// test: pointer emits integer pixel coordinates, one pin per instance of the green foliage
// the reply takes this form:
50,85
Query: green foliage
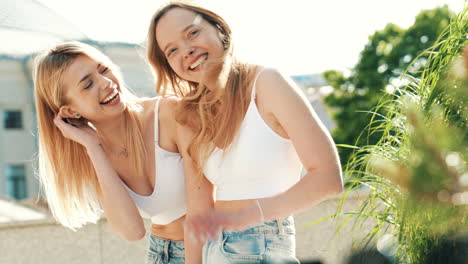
386,56
416,172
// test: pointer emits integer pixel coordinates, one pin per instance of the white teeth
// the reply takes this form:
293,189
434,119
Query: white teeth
198,62
108,98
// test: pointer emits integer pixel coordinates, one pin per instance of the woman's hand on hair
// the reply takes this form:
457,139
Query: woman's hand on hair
85,135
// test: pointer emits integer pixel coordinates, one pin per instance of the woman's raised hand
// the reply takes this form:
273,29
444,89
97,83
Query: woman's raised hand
85,135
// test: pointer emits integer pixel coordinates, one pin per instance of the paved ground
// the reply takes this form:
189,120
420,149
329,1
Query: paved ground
320,241
46,242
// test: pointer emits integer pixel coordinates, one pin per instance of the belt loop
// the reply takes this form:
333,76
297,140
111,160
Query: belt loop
166,250
219,237
279,222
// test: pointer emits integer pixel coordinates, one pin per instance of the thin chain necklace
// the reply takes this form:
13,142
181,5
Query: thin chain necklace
122,152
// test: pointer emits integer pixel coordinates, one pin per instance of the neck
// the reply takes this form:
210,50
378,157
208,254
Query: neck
217,80
112,133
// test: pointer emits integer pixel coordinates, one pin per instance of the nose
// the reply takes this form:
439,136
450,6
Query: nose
189,51
105,82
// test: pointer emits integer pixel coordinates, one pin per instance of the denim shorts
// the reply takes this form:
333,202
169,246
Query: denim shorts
165,251
270,242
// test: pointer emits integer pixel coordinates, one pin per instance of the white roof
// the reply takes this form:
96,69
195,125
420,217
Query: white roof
27,26
10,211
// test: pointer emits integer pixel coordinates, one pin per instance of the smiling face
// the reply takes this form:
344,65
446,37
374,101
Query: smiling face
190,44
91,90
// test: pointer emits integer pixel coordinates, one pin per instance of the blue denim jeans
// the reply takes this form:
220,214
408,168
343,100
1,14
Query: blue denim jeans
165,251
270,242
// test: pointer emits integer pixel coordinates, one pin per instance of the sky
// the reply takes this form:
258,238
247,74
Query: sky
295,36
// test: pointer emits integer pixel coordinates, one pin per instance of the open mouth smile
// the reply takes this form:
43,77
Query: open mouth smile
198,62
110,98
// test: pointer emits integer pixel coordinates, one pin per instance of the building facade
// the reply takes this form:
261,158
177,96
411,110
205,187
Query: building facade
17,129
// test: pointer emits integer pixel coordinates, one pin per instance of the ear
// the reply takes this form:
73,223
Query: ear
67,112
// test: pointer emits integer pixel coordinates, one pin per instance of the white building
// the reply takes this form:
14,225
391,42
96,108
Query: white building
17,143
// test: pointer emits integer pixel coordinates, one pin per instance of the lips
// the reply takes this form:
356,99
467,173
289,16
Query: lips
113,101
110,97
198,61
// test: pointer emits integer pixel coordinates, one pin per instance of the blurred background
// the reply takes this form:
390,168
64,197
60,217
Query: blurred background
349,57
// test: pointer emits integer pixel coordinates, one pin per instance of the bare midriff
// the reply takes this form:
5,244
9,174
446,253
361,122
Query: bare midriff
173,231
234,206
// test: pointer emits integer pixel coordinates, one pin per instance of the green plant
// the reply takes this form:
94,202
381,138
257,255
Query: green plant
386,55
416,173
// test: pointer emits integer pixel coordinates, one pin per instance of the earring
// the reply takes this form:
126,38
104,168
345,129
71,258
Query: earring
78,115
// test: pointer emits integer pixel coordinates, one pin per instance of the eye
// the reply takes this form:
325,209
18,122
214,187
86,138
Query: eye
88,85
104,70
171,51
194,33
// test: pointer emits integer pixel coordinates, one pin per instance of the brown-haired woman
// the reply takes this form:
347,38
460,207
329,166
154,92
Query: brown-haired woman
246,132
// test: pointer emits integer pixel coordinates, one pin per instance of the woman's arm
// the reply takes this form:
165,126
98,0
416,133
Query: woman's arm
119,208
312,142
200,202
284,100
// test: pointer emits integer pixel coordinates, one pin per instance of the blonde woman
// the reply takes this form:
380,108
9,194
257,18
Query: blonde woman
247,131
100,147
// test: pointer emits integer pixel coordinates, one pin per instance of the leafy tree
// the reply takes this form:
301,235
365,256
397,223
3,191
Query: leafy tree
382,62
416,172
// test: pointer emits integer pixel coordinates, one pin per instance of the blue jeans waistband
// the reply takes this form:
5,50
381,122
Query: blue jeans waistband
279,226
166,248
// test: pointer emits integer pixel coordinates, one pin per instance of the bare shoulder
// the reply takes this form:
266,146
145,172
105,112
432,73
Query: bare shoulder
168,107
275,87
147,104
167,114
271,81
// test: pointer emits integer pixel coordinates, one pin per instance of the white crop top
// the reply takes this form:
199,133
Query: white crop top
167,202
259,163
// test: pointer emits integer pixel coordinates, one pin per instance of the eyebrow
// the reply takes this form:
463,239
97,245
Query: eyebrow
88,75
184,30
84,78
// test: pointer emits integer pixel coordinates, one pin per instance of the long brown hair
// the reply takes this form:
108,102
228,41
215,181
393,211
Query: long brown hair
65,170
214,116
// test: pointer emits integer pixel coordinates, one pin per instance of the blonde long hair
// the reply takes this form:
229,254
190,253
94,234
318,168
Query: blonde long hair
214,116
65,169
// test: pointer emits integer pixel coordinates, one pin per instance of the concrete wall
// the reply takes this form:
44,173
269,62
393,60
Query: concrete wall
46,242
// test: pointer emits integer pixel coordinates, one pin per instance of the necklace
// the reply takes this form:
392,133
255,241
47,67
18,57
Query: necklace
122,152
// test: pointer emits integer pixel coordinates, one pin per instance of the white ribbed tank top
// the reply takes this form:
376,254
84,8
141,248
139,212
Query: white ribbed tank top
167,202
259,163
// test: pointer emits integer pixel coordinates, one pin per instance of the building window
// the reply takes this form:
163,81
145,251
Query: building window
13,119
16,181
